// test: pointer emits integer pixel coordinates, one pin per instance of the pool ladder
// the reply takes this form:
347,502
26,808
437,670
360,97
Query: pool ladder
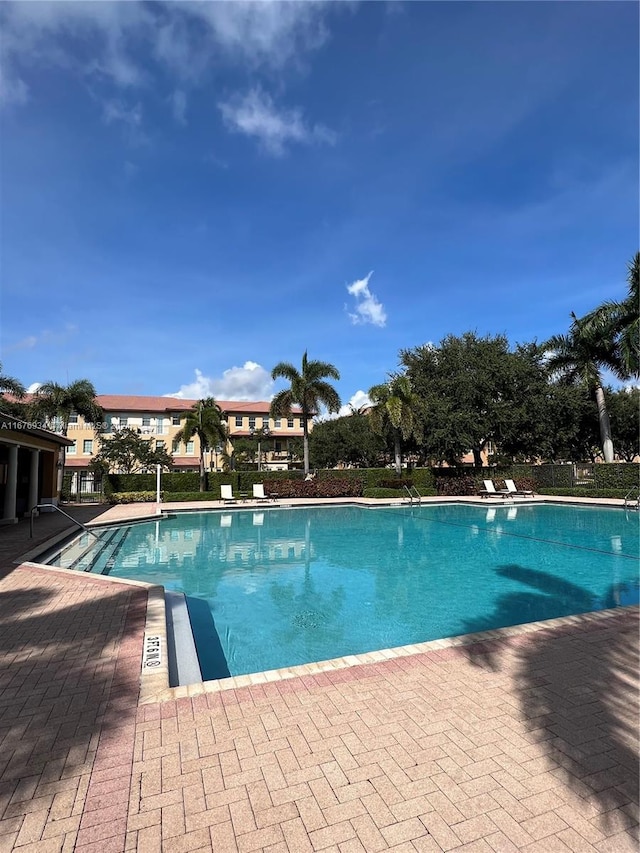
632,498
413,493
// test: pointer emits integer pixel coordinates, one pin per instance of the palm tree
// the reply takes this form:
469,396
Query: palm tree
308,389
10,385
393,405
578,357
204,419
57,402
620,322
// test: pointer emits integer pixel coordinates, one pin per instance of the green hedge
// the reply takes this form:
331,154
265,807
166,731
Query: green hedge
190,496
584,493
451,481
393,493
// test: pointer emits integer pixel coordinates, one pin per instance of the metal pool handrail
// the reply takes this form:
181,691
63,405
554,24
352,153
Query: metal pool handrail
66,514
413,493
632,497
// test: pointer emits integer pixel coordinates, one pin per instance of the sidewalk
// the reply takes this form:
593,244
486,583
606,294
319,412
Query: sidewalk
527,743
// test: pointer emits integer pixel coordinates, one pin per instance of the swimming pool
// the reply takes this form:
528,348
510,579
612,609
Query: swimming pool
276,587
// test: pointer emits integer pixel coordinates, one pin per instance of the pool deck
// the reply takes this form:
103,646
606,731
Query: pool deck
524,740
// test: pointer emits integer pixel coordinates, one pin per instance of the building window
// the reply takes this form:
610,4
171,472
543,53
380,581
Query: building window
252,422
87,445
175,446
290,423
238,420
146,420
71,451
124,421
159,445
175,420
73,418
277,423
189,448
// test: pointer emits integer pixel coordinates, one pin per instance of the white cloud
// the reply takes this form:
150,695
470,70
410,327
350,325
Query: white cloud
358,401
46,337
249,382
255,114
25,343
117,112
262,32
367,307
102,39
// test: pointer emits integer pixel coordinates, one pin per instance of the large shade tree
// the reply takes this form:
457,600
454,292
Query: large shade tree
205,420
394,405
465,393
307,389
127,452
624,408
349,441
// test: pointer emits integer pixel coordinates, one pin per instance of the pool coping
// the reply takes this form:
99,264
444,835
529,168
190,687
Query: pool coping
154,678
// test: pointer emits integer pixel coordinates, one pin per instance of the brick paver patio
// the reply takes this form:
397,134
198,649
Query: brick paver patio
529,742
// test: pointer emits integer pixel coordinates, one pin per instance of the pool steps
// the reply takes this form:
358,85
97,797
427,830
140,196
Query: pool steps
76,554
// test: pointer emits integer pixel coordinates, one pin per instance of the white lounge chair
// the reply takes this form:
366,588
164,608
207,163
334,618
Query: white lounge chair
512,489
226,494
258,493
490,490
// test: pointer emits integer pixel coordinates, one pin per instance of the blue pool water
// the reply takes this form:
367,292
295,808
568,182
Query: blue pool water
272,588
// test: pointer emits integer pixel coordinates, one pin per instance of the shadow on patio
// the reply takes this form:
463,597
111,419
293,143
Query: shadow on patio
70,656
577,690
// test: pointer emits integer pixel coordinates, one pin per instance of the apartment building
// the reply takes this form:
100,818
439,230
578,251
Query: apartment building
161,418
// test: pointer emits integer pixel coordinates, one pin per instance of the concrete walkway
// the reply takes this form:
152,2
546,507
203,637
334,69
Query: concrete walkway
529,742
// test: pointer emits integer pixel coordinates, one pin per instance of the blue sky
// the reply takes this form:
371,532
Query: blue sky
193,192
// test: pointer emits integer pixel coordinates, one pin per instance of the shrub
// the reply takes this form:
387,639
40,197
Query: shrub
395,484
132,497
460,485
325,488
526,483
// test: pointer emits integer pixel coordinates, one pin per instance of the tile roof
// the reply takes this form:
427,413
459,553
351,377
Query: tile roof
129,403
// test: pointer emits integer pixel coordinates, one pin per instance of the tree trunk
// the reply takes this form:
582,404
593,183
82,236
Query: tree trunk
477,457
397,452
305,442
605,427
203,476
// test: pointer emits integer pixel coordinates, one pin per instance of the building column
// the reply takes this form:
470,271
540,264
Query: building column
11,492
33,480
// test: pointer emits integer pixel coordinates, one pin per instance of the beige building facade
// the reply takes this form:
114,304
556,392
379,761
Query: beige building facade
160,418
